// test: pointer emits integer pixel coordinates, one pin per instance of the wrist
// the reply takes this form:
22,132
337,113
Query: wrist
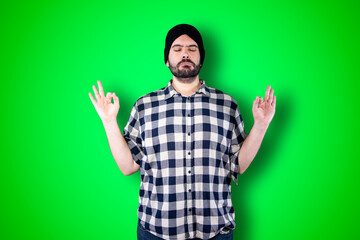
109,121
260,126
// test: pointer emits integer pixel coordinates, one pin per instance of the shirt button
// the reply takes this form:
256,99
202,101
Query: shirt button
188,114
189,171
189,209
189,153
189,133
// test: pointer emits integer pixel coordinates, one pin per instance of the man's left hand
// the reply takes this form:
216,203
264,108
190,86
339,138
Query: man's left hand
264,111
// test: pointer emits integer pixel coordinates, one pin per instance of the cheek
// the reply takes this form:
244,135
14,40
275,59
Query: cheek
196,57
174,56
172,61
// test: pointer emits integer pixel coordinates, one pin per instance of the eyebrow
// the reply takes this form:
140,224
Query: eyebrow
179,45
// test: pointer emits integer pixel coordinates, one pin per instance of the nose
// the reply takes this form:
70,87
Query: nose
185,55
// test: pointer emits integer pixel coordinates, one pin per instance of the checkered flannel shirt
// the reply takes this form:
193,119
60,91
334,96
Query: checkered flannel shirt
187,149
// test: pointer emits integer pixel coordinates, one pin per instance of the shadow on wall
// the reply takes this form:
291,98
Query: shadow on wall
271,143
261,164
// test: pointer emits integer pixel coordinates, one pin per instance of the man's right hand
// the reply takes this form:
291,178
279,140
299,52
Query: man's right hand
103,105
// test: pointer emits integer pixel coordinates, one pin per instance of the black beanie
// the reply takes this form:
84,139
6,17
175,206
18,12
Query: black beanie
179,30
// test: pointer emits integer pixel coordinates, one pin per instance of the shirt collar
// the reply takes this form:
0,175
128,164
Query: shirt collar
170,91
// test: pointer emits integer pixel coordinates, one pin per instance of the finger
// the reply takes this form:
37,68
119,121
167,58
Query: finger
271,96
111,97
274,101
267,93
108,98
256,102
101,90
116,100
92,99
97,96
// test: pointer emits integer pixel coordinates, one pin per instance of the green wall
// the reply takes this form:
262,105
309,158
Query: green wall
58,177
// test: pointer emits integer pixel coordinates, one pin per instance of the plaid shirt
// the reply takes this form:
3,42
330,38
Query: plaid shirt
187,149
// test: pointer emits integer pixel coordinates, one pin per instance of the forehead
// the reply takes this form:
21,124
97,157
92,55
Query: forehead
184,40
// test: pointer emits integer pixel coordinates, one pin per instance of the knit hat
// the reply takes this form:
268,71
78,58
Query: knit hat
179,30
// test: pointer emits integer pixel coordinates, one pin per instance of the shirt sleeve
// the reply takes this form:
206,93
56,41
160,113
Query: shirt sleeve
132,135
238,137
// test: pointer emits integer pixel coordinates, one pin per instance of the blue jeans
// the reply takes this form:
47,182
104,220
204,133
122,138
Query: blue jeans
142,234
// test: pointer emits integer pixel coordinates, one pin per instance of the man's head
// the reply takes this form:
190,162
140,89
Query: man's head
184,51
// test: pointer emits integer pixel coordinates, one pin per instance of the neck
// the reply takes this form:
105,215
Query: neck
186,87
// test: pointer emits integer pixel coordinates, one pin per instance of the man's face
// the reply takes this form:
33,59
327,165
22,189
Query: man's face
184,58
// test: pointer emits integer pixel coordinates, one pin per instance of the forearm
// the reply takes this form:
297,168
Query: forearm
119,148
251,146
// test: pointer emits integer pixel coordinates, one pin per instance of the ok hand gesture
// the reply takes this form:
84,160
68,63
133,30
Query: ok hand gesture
106,110
264,111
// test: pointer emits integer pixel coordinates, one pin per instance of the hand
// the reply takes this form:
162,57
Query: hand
264,111
106,110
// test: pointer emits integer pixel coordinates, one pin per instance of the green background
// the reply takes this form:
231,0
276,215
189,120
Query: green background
58,177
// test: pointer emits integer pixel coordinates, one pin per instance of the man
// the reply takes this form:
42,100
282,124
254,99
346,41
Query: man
188,141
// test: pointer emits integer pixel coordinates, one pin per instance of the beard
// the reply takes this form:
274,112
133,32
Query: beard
185,74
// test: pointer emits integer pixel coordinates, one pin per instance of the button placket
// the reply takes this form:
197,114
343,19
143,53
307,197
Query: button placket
188,164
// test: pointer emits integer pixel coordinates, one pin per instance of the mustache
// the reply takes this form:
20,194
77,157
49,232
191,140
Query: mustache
186,60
